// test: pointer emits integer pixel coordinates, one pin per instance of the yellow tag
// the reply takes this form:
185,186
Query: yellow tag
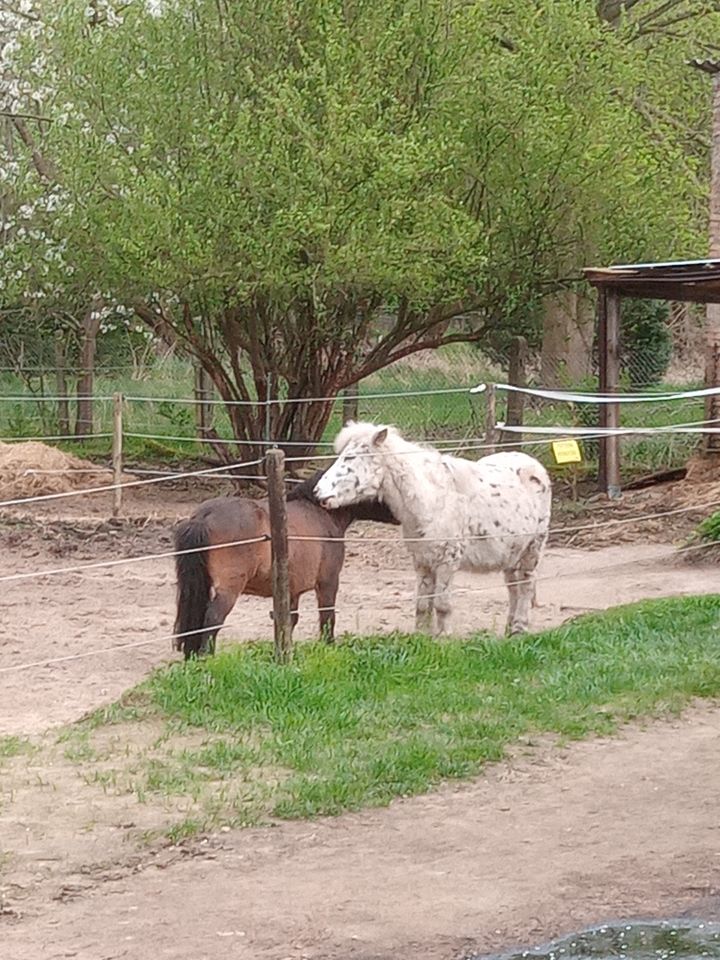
566,451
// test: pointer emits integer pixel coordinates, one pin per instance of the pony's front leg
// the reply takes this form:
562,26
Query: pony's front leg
326,594
443,608
522,586
424,600
294,610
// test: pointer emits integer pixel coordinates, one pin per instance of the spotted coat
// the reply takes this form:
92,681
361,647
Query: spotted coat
492,514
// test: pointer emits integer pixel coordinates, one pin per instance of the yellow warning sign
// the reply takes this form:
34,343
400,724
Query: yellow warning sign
566,451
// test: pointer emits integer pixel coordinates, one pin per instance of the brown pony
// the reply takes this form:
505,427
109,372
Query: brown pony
210,581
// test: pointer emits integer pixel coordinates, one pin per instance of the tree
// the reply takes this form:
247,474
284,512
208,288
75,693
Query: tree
662,35
263,183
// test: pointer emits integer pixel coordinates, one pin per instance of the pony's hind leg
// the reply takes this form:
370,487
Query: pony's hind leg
220,606
443,609
425,600
522,589
326,594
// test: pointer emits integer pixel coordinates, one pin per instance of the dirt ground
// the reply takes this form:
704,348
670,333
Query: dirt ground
535,848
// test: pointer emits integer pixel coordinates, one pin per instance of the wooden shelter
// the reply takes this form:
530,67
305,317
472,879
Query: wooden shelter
691,281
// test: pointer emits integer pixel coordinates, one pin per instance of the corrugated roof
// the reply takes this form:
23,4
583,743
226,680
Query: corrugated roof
696,281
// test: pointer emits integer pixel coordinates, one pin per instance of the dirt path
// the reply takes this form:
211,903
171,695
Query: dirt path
533,849
559,839
102,609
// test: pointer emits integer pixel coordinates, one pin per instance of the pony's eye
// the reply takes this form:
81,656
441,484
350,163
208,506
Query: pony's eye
350,456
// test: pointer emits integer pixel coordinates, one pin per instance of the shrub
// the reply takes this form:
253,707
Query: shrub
645,341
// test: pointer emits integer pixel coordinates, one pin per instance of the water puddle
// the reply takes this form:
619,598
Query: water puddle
660,940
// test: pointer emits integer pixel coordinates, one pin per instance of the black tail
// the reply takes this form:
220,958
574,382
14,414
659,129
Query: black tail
193,584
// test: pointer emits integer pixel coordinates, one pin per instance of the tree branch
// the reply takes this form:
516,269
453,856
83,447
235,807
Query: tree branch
44,168
12,114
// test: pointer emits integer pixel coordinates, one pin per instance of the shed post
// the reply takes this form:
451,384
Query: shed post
609,363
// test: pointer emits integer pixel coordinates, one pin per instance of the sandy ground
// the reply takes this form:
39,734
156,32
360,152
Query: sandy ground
535,848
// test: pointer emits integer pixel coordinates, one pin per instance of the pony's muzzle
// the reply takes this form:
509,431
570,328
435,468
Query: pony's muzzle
325,500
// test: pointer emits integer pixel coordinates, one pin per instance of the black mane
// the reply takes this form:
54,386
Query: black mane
366,510
306,489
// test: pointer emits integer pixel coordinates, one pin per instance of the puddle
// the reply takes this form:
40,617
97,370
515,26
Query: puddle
659,940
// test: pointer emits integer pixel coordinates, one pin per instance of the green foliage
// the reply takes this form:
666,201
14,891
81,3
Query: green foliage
708,530
271,181
13,746
645,341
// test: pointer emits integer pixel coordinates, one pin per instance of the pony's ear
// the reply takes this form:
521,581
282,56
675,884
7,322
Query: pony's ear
380,437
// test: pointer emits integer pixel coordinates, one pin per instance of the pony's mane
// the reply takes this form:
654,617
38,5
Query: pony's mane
364,510
394,443
306,489
361,430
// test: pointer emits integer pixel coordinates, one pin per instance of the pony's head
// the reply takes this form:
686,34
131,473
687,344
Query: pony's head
358,471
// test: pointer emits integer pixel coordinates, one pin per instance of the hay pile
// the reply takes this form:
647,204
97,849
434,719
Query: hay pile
32,469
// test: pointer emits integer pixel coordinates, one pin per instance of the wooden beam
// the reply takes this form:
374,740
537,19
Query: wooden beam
609,364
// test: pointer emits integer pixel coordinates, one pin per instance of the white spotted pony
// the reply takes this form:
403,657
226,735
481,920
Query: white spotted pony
493,514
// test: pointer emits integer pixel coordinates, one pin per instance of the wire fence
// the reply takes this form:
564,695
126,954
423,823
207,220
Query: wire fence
659,428
566,407
164,419
173,638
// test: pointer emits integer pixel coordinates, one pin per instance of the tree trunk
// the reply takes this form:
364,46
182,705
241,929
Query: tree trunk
568,325
89,329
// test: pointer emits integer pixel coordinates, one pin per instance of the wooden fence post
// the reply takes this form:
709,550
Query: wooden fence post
267,436
350,403
490,420
517,377
117,451
203,392
61,383
609,364
90,327
282,620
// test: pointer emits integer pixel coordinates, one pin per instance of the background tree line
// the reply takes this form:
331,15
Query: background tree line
297,194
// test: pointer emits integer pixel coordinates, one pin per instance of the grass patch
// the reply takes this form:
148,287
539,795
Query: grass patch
373,719
703,545
14,746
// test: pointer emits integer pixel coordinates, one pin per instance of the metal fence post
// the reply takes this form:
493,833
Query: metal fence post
268,422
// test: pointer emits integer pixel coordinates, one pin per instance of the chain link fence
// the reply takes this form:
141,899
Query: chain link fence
426,396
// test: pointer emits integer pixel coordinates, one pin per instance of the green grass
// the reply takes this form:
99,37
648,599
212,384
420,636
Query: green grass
373,719
708,530
13,746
